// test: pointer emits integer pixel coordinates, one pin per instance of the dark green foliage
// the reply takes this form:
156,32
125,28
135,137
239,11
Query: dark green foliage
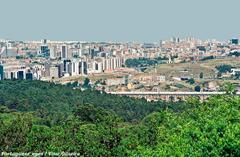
91,114
224,68
211,129
207,58
219,74
201,75
140,62
14,134
229,88
237,75
143,62
57,101
72,84
236,53
191,81
86,83
95,124
197,88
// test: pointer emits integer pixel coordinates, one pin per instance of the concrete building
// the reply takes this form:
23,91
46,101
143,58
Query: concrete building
53,52
21,75
66,67
83,67
54,72
64,52
29,76
44,49
75,67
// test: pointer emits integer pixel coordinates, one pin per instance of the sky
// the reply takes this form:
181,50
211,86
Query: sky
119,20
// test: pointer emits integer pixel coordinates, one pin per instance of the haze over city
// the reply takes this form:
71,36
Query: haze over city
123,21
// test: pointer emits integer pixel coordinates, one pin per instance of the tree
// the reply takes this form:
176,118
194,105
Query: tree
207,58
219,74
55,118
203,131
39,139
141,62
91,114
191,81
15,133
152,122
86,83
237,75
53,102
229,88
224,68
197,88
201,75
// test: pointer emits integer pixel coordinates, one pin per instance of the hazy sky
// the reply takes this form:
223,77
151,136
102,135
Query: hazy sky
118,20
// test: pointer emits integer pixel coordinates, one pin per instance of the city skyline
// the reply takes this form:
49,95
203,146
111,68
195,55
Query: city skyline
119,78
122,21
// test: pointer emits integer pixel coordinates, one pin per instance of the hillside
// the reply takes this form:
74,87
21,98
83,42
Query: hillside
44,117
50,98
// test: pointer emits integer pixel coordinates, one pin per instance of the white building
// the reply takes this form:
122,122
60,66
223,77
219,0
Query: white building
54,72
53,52
75,68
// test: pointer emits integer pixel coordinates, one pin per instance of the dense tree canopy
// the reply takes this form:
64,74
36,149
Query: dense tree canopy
235,53
43,117
207,58
57,101
224,68
143,62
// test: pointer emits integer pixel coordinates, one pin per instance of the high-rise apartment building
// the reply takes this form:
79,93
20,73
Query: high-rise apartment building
53,52
44,49
21,75
75,67
64,52
83,68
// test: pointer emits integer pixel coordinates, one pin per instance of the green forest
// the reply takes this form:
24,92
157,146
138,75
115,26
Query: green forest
39,117
144,62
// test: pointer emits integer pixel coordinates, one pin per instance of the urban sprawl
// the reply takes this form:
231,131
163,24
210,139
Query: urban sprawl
171,65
